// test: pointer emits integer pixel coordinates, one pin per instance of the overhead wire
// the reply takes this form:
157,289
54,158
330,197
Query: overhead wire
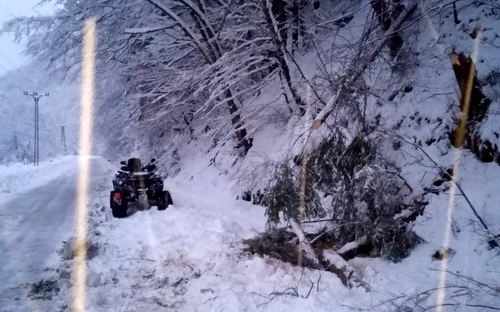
16,68
18,82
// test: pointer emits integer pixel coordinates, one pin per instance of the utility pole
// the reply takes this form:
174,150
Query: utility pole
36,153
63,139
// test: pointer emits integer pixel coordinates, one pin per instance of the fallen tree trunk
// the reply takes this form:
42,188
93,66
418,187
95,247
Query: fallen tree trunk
284,245
351,250
304,245
334,263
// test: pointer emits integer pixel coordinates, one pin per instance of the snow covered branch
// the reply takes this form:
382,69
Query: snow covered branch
355,70
147,30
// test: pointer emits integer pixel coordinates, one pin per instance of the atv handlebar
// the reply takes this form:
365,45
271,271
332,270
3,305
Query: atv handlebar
149,168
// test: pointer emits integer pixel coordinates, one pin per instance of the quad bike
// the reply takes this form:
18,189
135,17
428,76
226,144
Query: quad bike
135,184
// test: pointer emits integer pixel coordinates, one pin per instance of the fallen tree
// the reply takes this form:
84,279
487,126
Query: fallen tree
283,245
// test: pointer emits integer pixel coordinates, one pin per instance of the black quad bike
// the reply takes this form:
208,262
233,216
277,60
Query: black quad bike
135,184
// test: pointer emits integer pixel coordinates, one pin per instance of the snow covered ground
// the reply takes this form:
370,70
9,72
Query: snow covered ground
36,216
188,258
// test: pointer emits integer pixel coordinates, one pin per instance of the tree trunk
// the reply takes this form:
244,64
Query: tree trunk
280,53
455,14
209,46
279,13
386,19
334,263
296,24
205,37
381,9
474,106
288,80
241,133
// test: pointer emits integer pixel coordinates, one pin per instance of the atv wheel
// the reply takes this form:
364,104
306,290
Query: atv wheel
165,200
119,209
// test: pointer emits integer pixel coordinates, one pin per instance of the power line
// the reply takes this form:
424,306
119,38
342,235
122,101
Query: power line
14,67
13,76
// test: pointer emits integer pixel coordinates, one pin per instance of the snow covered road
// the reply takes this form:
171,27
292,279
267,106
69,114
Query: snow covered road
34,223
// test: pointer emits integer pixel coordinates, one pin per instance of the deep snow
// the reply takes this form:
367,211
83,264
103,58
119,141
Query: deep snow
188,258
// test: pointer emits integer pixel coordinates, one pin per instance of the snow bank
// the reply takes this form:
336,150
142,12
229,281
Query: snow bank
17,178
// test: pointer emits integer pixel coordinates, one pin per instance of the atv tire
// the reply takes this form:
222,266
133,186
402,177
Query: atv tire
165,200
118,210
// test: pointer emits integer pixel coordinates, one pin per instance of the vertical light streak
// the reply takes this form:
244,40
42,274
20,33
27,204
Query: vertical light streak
88,70
459,141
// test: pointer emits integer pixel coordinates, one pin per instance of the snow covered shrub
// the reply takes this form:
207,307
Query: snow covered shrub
393,239
366,192
366,195
284,197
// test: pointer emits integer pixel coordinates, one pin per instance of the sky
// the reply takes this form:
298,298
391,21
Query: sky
11,54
